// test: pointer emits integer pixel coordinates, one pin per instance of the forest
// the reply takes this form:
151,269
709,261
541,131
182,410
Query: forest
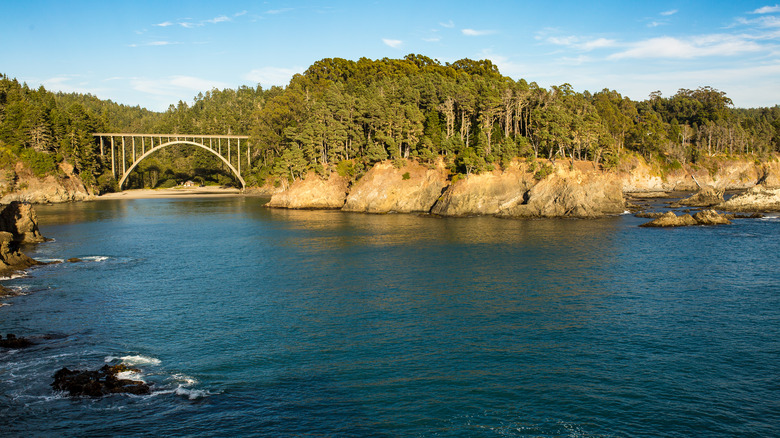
342,115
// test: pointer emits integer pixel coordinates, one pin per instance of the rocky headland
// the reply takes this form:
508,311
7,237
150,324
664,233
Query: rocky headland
576,189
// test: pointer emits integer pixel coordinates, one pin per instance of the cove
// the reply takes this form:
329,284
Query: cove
251,321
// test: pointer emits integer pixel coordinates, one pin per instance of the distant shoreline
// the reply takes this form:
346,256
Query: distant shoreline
189,192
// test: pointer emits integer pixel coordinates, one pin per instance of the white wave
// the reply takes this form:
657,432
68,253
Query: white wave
13,276
95,258
45,260
131,375
192,394
134,360
626,212
184,379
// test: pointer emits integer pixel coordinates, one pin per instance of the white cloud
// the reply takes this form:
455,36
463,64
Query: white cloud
278,11
577,43
474,32
432,40
269,76
448,25
669,12
155,43
219,19
767,10
164,24
238,14
392,43
189,24
706,45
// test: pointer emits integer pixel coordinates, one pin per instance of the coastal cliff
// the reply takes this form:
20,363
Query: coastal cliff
526,189
387,188
21,184
18,224
312,192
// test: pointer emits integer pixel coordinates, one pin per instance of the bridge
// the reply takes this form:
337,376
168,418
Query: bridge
127,150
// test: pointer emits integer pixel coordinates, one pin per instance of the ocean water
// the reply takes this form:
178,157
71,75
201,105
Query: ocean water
250,321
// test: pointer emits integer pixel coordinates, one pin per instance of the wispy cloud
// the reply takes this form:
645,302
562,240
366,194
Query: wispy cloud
694,47
220,19
392,43
278,11
767,10
432,39
448,25
238,14
669,12
474,32
174,85
155,43
269,76
164,24
582,44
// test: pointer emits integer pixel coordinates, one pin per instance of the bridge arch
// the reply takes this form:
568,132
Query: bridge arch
170,143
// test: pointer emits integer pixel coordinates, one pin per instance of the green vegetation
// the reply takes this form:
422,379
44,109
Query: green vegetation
343,116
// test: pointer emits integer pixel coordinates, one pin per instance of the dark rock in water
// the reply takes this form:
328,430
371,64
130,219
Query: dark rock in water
705,217
75,260
743,216
98,383
649,214
11,341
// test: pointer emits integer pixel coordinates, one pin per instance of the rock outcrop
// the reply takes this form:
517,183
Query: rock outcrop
484,194
98,383
387,188
18,224
706,197
20,184
704,217
21,221
758,198
570,195
313,192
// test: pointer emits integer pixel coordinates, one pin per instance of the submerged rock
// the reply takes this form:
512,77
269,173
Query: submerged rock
99,382
11,341
705,217
706,197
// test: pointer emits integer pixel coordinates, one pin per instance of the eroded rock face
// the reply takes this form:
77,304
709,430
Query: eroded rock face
704,217
313,192
11,259
484,194
706,197
758,198
569,196
408,189
26,187
20,220
98,383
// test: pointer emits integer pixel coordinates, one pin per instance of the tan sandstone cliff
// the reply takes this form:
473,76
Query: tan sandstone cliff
20,184
386,188
312,192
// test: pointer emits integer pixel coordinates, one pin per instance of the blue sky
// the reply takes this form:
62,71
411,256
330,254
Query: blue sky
155,53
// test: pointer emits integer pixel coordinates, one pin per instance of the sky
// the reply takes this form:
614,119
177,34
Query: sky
157,53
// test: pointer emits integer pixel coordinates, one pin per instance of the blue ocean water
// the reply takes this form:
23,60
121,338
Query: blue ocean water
251,321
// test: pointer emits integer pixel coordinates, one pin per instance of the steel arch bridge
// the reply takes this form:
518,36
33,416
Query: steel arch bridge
128,150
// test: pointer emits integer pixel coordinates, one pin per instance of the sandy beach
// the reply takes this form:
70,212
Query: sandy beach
188,192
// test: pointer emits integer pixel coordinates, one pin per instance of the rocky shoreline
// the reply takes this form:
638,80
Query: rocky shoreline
534,189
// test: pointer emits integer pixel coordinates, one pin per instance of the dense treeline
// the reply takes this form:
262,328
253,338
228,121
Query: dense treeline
345,115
